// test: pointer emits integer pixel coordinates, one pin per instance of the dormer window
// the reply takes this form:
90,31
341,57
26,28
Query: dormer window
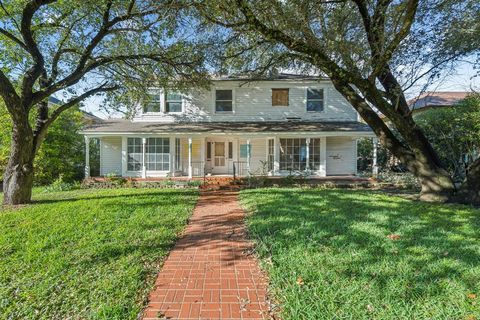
314,100
153,102
173,102
223,100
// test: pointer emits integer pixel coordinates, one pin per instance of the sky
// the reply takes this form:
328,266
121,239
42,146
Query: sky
463,79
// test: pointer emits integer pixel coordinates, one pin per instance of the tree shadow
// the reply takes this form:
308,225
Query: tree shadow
351,231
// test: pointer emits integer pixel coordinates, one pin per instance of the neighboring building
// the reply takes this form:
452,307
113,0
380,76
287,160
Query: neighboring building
279,126
436,99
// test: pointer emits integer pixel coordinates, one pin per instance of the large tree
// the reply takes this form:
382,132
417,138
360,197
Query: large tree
80,48
366,48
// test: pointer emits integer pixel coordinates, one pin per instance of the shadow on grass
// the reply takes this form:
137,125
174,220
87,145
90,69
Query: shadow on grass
435,242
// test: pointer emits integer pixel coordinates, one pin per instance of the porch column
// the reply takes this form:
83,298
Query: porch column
190,168
374,160
202,156
307,155
276,156
173,156
87,157
248,156
323,156
144,150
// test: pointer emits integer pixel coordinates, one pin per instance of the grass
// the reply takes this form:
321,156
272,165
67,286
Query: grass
87,254
344,254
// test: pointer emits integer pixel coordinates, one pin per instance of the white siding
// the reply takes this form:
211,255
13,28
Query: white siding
253,102
110,155
341,156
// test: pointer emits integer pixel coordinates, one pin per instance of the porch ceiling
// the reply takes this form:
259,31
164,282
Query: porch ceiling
126,126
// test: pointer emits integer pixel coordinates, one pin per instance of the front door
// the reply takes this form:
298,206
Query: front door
219,163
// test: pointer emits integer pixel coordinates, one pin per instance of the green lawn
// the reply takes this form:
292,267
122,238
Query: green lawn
344,254
87,254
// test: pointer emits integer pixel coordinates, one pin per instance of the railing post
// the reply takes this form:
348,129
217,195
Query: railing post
234,171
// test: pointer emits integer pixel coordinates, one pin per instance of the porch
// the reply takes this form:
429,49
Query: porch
159,156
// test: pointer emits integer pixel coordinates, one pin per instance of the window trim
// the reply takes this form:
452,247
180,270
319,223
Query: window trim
280,105
169,153
324,99
215,100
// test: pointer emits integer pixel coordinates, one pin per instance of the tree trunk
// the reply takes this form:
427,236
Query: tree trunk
18,177
469,191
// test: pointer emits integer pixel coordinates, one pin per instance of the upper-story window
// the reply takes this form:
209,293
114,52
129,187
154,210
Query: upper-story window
280,97
173,102
223,100
315,100
153,102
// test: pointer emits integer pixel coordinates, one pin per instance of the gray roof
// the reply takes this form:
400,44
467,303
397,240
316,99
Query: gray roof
268,77
127,126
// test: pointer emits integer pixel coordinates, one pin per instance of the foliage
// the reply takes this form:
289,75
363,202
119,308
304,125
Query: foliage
62,153
372,51
455,133
365,155
337,254
87,254
60,185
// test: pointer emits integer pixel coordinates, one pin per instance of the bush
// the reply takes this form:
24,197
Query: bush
60,185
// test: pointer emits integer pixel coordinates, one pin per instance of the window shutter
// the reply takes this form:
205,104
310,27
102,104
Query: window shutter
280,97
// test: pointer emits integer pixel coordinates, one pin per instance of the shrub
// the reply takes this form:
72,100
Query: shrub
60,185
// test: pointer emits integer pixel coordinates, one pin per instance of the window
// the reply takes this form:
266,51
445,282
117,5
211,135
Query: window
314,156
270,154
223,101
280,97
134,151
173,102
152,103
178,150
230,150
314,100
244,150
209,150
293,154
158,154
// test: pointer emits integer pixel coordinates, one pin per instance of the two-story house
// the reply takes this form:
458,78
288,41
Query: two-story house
277,126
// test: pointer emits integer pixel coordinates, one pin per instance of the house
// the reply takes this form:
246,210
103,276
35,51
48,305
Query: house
436,99
279,125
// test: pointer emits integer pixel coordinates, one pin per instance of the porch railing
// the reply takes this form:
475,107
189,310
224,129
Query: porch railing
239,169
198,168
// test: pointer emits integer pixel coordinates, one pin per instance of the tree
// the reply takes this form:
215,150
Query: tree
361,46
455,133
62,152
80,48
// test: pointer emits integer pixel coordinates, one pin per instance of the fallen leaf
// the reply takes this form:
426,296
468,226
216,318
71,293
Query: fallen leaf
470,317
300,281
370,308
393,236
472,296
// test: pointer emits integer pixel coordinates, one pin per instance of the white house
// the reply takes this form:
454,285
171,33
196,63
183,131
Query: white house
277,126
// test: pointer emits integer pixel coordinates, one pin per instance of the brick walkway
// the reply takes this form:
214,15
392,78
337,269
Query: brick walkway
209,273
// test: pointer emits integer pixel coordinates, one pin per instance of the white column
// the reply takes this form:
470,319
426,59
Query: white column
87,157
248,156
374,160
323,157
307,156
190,168
276,156
202,156
124,156
144,166
173,154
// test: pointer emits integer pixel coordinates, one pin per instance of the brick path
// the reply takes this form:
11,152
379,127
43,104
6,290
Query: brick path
209,274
